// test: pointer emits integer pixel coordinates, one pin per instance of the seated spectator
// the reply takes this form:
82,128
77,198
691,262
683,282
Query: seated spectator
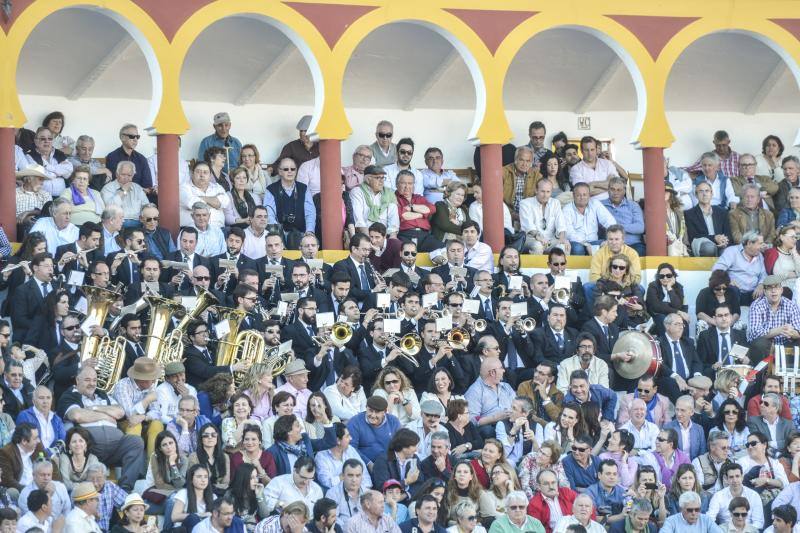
372,430
298,485
43,480
477,255
492,501
435,178
583,217
202,189
722,193
464,435
489,398
768,162
791,172
30,197
354,174
385,252
745,266
83,516
617,281
720,292
17,391
242,201
193,502
665,296
519,181
253,452
210,239
692,436
667,457
290,204
136,393
637,519
186,424
57,228
450,214
627,213
217,161
708,228
129,137
769,422
644,431
374,202
466,519
586,360
392,384
88,204
618,448
783,260
659,408
232,426
40,513
784,519
582,513
221,138
676,224
401,457
565,429
343,497
170,391
247,495
372,516
581,391
749,215
54,161
439,464
615,244
541,219
542,391
581,466
209,454
729,159
594,169
607,494
82,156
747,176
550,497
773,318
166,470
257,177
291,442
552,170
405,151
125,193
476,212
40,414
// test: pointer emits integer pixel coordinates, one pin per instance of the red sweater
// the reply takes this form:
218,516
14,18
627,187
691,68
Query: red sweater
539,509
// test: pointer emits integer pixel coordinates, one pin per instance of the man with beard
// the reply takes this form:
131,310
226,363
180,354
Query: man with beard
585,360
508,266
126,263
554,340
433,356
542,391
405,151
225,278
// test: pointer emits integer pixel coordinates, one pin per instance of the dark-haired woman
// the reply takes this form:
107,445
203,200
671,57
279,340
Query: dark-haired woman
291,443
166,471
400,462
210,454
730,419
193,502
73,463
253,453
33,244
247,494
45,330
718,292
665,296
619,447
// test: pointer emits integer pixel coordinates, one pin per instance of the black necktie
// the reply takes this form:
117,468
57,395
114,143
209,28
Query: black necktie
138,349
680,368
207,354
310,331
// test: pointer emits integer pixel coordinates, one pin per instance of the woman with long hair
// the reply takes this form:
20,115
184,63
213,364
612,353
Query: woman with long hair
761,472
463,485
436,488
783,259
247,493
567,428
391,383
193,502
618,449
720,291
548,456
665,296
400,462
617,280
257,177
550,167
209,454
790,458
214,396
685,480
72,464
45,330
464,435
676,225
253,453
730,419
319,415
646,487
492,453
259,385
166,470
87,204
440,388
597,429
242,203
450,213
241,411
492,501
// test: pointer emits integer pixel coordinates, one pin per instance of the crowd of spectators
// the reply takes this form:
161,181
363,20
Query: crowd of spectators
466,397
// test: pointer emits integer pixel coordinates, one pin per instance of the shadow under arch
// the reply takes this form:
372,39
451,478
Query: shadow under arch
142,29
767,33
471,49
300,32
619,39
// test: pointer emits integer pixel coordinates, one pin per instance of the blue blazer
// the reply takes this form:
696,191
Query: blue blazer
697,438
311,446
30,417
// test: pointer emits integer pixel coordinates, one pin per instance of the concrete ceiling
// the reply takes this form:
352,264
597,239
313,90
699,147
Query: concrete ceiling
241,60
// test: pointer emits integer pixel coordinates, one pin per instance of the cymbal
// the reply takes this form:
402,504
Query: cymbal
643,347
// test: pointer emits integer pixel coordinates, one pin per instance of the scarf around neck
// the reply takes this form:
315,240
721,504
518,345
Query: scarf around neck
387,197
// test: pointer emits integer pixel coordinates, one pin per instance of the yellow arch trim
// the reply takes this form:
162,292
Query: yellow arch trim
124,11
490,125
637,60
284,19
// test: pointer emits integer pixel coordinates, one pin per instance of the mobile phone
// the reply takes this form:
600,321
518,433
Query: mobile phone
650,486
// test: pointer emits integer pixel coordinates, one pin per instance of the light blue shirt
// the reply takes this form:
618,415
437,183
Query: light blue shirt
234,149
60,501
109,242
431,180
210,242
676,523
629,215
584,227
329,468
485,401
747,275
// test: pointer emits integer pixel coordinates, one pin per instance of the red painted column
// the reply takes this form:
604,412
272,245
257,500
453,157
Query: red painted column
330,167
492,189
168,148
655,209
8,184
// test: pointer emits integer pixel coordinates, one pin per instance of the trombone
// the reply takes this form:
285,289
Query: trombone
340,335
410,344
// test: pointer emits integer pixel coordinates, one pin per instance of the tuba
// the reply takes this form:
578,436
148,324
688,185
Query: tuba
161,311
249,349
100,301
226,349
110,360
172,346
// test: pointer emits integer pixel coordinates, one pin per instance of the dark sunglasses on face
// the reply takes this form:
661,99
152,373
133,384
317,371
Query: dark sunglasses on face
729,412
738,515
765,403
131,136
411,254
405,152
71,328
692,509
558,264
665,276
202,278
752,443
721,288
661,439
643,391
288,169
385,135
151,219
619,267
579,449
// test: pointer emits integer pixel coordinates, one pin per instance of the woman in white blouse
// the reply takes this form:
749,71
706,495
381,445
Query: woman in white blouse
201,189
257,177
393,385
768,162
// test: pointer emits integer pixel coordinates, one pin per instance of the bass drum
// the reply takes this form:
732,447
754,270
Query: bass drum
646,354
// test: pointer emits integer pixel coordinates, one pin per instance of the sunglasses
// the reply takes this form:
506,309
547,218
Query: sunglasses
752,443
209,435
738,515
729,412
385,135
665,276
692,509
131,136
765,404
661,439
643,391
471,518
288,169
405,152
558,264
721,288
410,254
151,219
202,278
391,382
516,507
71,328
619,267
577,449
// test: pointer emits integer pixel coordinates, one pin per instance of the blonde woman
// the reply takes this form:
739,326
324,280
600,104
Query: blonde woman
393,385
504,481
257,177
258,385
727,386
450,213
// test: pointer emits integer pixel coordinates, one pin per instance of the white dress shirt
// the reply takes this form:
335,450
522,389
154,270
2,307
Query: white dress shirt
583,227
391,178
479,257
58,172
191,194
309,174
55,237
644,438
210,242
80,522
598,372
345,407
476,214
283,489
717,193
255,246
27,466
603,169
389,217
718,507
532,213
46,433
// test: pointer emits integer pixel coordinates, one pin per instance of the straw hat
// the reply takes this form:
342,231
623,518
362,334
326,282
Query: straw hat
144,368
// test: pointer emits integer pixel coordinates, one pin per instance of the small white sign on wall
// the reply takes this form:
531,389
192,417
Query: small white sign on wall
584,123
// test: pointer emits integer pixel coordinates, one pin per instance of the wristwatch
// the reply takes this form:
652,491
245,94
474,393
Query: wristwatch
405,402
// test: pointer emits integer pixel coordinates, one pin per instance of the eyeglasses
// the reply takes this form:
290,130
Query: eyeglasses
201,332
151,219
429,415
131,136
203,278
5,335
578,449
471,518
721,288
586,346
661,439
410,254
738,515
643,391
619,267
516,507
765,403
405,152
729,412
367,156
752,443
455,305
665,276
692,509
385,135
559,264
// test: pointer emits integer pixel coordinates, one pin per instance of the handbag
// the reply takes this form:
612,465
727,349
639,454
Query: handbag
767,494
153,496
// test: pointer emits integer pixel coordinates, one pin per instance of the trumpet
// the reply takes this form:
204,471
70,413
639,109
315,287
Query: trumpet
430,314
525,324
409,346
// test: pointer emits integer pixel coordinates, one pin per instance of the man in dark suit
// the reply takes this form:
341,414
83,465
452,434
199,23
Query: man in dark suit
715,343
29,298
200,279
408,264
399,284
274,270
554,341
363,278
187,241
233,242
485,295
309,248
455,259
125,265
245,298
303,329
540,299
302,283
159,240
65,359
576,306
131,331
602,326
508,265
17,391
385,252
334,298
150,269
770,407
25,438
327,364
82,253
199,361
435,355
679,361
516,350
375,353
703,242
